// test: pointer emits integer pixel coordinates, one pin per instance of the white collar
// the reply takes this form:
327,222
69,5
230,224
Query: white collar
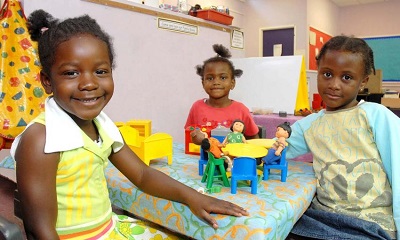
62,133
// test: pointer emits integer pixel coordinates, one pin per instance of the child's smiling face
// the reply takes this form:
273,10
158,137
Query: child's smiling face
341,74
81,77
218,80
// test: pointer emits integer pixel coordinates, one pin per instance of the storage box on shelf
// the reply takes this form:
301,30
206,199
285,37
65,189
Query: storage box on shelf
391,102
213,15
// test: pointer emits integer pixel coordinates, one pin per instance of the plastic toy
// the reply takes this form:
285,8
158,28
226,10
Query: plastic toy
202,161
283,132
143,126
210,173
245,169
236,136
190,146
147,148
282,165
276,157
215,189
213,146
220,132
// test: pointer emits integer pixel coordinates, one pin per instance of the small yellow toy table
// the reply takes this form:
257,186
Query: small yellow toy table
264,142
245,150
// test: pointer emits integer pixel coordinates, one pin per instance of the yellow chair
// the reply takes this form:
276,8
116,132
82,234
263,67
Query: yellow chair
143,126
155,146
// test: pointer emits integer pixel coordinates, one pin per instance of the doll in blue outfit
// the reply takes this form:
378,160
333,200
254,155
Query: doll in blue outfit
356,153
283,132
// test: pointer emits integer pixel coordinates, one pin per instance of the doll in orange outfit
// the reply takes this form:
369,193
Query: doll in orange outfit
212,145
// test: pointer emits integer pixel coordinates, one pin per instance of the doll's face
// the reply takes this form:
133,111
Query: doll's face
280,132
238,127
197,136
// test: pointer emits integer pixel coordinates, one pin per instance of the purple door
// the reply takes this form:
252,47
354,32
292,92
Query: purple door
283,36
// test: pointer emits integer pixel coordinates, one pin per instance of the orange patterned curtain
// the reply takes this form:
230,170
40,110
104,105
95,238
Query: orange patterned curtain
21,94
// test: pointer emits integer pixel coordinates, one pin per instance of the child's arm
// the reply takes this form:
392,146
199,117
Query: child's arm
158,184
36,179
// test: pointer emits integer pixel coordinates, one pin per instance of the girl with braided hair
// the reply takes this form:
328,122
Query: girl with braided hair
61,155
355,147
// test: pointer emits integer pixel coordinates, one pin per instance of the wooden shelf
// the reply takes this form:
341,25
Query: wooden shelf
140,8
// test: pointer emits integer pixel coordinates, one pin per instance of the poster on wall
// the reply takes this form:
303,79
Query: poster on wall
237,39
316,40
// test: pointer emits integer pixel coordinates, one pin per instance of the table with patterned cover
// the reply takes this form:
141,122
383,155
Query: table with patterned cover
273,210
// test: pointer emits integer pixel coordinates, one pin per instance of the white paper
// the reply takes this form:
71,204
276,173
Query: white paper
313,38
277,50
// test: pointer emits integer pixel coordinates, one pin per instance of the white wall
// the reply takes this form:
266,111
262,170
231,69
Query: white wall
323,16
369,20
262,14
155,76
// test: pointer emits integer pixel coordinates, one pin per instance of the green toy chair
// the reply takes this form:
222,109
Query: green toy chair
210,172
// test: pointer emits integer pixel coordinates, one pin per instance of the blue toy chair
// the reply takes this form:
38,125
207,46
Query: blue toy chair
202,161
244,168
215,170
282,165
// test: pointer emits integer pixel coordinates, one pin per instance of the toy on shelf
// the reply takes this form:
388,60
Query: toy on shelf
147,146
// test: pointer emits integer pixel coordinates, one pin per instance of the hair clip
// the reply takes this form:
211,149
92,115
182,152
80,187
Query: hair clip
43,29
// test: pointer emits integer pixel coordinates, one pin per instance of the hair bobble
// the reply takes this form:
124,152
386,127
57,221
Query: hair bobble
43,29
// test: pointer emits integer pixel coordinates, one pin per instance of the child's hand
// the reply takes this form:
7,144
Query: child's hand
202,205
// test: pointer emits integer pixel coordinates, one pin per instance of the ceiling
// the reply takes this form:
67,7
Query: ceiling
345,3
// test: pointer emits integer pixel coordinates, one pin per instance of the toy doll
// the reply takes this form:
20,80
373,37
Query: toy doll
212,145
283,132
236,136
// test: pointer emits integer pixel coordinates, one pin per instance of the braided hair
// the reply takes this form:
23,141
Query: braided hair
353,45
223,55
50,33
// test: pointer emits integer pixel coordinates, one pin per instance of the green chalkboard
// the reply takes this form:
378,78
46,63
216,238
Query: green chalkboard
387,56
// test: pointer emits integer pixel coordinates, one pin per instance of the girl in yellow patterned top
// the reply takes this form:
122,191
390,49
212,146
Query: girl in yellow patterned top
61,156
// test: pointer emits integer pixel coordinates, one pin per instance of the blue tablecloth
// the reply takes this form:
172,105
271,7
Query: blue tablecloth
273,210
